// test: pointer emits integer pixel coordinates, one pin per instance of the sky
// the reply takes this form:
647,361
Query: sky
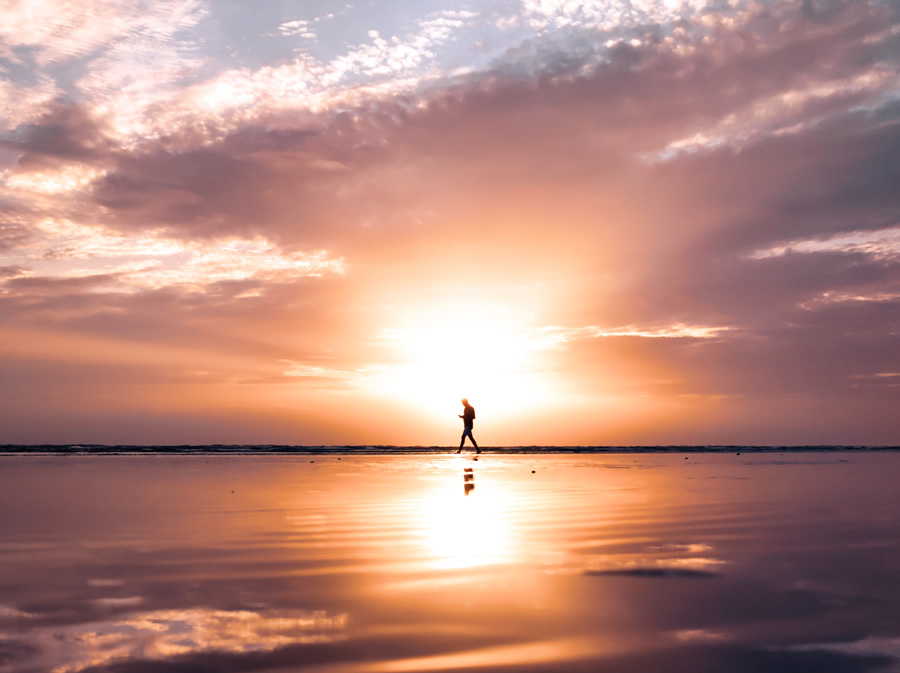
603,222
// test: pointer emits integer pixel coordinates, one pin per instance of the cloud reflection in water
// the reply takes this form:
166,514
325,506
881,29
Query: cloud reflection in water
165,634
562,563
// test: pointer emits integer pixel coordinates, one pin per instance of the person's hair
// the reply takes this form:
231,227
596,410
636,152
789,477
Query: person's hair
465,401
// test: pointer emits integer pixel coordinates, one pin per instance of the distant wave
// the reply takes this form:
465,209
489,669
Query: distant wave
370,450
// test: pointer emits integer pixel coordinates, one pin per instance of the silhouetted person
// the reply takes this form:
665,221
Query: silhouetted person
468,416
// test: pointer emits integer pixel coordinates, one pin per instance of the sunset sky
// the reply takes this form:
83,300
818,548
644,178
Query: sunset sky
602,222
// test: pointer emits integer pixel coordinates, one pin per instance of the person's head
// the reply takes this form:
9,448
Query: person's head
465,402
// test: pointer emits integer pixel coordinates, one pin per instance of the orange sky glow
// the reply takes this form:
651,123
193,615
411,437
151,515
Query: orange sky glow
601,222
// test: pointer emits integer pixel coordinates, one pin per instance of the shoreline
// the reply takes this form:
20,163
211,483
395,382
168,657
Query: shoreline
391,450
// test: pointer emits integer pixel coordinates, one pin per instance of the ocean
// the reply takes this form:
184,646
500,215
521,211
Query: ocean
375,450
387,559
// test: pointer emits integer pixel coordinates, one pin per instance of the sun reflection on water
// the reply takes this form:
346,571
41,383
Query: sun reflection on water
465,522
385,564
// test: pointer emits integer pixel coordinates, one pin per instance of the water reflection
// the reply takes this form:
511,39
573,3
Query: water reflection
468,480
466,529
625,563
165,635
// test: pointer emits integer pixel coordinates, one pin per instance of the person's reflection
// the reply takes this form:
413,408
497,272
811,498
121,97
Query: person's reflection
468,480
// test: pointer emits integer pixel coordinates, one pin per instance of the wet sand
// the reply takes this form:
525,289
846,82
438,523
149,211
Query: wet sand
613,563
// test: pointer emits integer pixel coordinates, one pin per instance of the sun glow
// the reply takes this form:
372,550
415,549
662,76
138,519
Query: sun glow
485,354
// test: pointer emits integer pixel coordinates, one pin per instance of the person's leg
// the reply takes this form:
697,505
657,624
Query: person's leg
462,440
474,443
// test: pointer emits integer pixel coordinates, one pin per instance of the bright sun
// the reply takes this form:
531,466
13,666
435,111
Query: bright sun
482,353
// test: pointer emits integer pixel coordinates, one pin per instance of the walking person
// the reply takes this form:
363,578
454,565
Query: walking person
468,416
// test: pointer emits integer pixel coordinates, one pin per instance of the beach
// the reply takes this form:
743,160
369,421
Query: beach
676,562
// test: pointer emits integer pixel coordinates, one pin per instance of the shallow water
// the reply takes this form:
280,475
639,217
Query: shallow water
641,562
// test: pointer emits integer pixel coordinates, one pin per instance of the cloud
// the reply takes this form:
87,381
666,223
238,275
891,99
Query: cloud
149,80
57,33
873,646
20,104
677,331
298,27
64,132
9,613
685,573
883,244
672,200
14,232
